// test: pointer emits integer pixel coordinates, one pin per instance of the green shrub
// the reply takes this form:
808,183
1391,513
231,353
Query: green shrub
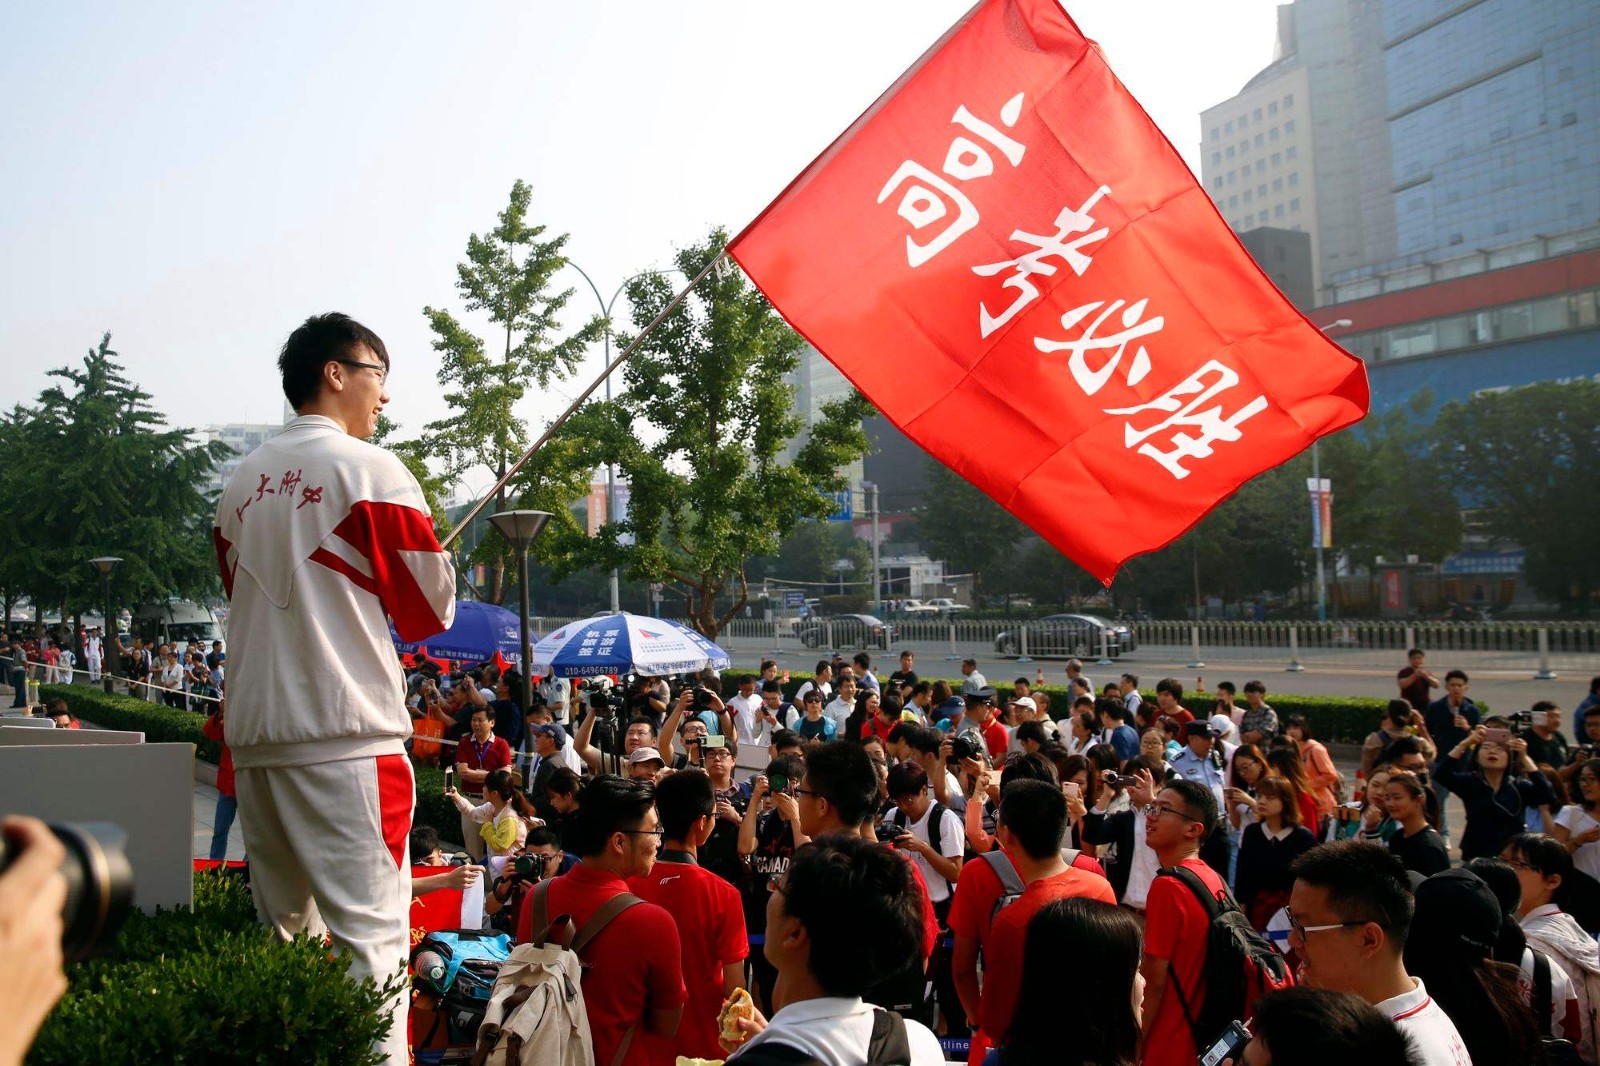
212,985
160,725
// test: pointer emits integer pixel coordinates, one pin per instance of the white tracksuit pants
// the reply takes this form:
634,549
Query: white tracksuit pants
328,846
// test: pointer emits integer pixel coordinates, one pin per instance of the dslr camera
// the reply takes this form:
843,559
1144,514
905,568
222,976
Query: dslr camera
529,866
1521,722
99,885
962,746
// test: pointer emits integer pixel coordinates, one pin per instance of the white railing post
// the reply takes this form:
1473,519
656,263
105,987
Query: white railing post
1024,657
1545,673
953,657
777,639
1411,637
1105,648
1295,666
828,632
1194,639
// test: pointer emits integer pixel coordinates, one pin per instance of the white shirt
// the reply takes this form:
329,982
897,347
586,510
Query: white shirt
1577,820
973,683
1434,1039
554,690
748,725
837,1031
800,693
1142,869
840,711
951,844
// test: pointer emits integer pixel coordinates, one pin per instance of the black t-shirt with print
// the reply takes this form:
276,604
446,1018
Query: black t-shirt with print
767,865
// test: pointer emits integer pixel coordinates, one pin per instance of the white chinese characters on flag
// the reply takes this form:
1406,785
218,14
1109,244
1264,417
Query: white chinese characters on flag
1009,259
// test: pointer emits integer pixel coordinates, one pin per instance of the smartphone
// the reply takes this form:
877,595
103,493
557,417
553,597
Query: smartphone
1073,790
714,742
449,777
1230,1045
1496,735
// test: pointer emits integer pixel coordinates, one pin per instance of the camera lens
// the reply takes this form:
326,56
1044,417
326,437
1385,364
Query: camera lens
99,885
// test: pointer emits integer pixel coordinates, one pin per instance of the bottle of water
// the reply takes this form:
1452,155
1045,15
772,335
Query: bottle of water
431,966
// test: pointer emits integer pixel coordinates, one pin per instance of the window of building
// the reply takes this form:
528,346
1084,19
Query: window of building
1261,191
1216,158
1244,120
1260,139
1502,226
1274,132
1277,212
1216,182
1261,166
1228,128
1294,205
1230,151
1277,158
1272,107
1569,118
1456,238
1233,201
1288,127
1244,146
1294,178
1216,133
1288,101
1231,177
1291,152
1247,196
1257,115
1277,184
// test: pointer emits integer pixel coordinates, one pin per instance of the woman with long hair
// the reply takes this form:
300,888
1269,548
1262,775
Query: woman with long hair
1450,950
1544,868
1075,771
1376,822
1285,762
1497,783
1262,880
1320,771
1417,845
1248,769
504,817
1506,884
1098,1024
1577,825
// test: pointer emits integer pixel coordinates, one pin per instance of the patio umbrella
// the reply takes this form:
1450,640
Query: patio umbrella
625,643
480,630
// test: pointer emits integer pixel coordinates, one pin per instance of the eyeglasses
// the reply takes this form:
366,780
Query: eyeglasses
383,371
659,834
1301,931
1156,810
800,791
1518,864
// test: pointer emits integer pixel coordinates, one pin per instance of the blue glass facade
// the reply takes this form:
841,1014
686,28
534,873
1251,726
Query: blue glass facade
1494,120
1462,374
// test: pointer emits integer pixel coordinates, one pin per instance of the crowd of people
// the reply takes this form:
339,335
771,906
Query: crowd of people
1019,843
189,676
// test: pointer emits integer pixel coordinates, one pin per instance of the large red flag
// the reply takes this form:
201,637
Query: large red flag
1009,259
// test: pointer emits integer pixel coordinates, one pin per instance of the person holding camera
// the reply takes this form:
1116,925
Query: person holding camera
1496,786
539,860
503,820
1546,745
32,893
768,836
707,909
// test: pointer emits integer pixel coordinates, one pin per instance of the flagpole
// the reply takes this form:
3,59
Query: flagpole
622,357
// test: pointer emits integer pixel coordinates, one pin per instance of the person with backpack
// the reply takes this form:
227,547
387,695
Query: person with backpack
1544,868
1400,719
1181,976
1033,820
825,966
631,954
933,837
1349,916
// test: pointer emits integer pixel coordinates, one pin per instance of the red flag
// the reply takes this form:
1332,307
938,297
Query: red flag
1009,259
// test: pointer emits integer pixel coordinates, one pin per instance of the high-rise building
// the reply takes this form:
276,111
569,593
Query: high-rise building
242,438
1303,146
818,382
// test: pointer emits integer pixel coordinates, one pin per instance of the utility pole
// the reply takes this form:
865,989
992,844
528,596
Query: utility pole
877,579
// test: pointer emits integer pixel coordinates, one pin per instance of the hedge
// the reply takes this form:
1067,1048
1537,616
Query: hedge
213,985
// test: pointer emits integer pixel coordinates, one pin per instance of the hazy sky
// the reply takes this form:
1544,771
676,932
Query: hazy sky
199,177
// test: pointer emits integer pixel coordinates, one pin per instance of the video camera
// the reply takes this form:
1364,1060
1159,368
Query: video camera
99,885
962,746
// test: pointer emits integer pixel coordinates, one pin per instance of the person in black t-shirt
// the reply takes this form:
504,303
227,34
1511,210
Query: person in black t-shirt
904,679
768,835
1417,844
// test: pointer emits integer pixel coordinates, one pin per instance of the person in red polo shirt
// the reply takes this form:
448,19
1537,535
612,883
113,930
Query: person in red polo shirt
1033,822
477,755
981,711
708,910
632,970
1176,929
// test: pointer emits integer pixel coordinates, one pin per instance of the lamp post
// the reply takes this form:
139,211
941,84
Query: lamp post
877,581
611,471
1316,476
521,529
105,564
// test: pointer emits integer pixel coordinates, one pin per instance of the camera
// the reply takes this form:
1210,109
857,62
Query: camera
529,866
99,885
962,746
1520,722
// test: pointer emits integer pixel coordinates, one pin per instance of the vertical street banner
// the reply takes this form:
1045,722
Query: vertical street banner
1321,490
1007,257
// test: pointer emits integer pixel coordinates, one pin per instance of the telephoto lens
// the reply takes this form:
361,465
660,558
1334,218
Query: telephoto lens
99,885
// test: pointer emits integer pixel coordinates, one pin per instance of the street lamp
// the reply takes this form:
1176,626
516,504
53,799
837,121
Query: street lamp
611,471
521,529
877,582
105,564
1316,476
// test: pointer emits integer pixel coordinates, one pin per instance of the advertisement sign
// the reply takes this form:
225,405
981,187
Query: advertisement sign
1321,490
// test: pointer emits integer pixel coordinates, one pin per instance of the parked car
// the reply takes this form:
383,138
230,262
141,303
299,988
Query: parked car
917,607
1069,635
849,631
945,605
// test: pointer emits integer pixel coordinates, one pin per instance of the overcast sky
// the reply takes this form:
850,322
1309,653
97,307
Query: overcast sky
198,177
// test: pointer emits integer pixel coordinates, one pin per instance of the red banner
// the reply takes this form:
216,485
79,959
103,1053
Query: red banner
1009,259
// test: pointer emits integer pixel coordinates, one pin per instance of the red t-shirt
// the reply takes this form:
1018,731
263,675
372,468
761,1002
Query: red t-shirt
495,755
710,915
213,729
1002,953
996,739
634,966
1180,714
1176,930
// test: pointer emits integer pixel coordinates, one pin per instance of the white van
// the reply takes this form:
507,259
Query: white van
176,622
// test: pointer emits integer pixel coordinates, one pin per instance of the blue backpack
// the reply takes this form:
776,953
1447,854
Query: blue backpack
469,957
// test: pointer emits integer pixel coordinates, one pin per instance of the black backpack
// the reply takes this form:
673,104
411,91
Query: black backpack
1557,1052
889,1047
1240,966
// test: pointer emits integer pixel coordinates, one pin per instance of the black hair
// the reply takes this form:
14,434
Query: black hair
1295,718
787,738
501,782
902,731
1404,746
822,664
610,804
1115,710
1454,675
320,340
682,799
1099,1014
1364,883
1501,877
640,719
771,686
1171,685
907,779
1035,813
843,775
541,837
1255,686
424,841
1318,1027
923,741
1200,801
564,782
862,659
1398,712
921,688
1545,856
1032,730
1132,679
1227,686
883,898
1031,766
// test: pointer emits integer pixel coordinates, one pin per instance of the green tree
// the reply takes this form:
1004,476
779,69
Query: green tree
809,554
964,527
105,476
699,433
509,276
1528,461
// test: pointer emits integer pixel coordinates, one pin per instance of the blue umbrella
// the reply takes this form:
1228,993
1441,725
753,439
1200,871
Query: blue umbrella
625,643
480,630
